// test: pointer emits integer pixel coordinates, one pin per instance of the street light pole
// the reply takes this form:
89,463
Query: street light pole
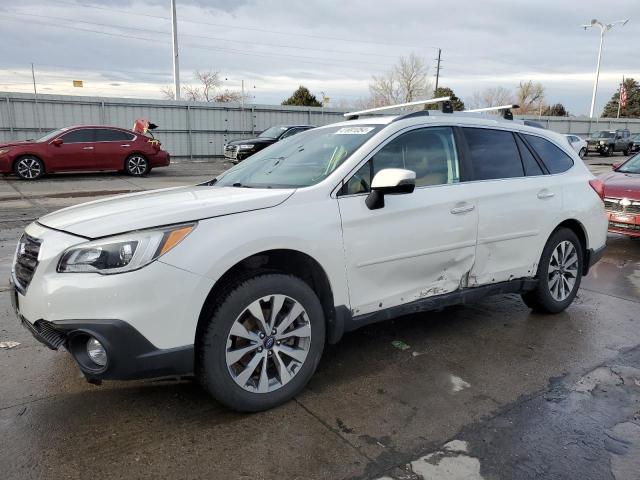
604,28
176,65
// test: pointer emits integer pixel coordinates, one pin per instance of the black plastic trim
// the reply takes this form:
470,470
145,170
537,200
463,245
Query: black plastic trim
130,355
462,296
593,256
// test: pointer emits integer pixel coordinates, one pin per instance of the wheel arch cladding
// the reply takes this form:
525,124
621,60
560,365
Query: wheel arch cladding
286,261
576,227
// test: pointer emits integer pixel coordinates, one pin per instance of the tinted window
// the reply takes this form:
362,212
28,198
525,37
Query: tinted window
430,152
493,154
290,132
108,135
531,166
553,157
78,136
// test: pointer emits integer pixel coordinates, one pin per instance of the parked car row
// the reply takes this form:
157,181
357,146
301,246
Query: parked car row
83,148
238,150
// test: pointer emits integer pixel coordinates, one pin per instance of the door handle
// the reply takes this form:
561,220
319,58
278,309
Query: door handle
462,209
125,145
87,148
544,194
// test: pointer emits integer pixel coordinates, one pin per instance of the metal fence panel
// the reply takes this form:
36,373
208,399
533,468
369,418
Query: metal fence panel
197,129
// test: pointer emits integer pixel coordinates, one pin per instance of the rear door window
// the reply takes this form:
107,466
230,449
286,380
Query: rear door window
109,135
552,156
531,166
493,153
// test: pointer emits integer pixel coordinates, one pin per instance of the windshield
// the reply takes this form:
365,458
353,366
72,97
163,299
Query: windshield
636,137
53,134
631,166
603,135
298,161
273,132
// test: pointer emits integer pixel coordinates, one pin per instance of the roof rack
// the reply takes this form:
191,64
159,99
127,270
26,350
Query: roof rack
445,106
505,109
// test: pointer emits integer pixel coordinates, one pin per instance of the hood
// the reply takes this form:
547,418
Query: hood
154,208
252,140
17,143
622,185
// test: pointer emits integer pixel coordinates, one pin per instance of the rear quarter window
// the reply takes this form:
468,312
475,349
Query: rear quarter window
552,156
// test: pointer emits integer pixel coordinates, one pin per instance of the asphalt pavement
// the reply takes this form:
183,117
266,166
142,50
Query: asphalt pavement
487,390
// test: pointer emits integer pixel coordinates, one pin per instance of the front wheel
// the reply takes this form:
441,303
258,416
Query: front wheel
625,152
262,342
29,168
559,273
136,165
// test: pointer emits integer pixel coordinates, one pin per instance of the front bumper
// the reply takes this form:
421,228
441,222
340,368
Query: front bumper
596,147
623,223
129,354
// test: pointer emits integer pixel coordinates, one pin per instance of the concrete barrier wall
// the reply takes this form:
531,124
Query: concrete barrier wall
191,130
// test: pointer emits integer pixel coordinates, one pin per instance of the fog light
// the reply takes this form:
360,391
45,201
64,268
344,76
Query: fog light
96,352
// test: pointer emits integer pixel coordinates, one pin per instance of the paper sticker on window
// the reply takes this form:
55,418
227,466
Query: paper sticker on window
354,130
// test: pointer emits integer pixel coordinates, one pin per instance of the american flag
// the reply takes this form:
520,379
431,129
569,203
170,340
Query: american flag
623,95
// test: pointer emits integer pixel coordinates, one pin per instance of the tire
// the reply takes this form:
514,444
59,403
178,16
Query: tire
548,296
29,168
625,152
609,151
583,152
136,165
241,382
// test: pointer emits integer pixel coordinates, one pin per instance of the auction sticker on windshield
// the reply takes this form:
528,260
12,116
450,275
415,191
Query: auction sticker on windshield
354,130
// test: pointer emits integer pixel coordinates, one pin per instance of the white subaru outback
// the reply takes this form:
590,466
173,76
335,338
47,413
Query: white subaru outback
242,280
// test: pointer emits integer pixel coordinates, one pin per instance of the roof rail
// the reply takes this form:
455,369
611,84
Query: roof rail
444,101
505,109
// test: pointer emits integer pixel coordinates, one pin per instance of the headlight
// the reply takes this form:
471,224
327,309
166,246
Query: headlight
122,253
602,142
4,150
246,147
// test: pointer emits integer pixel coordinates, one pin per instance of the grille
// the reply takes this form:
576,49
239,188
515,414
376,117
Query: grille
46,333
26,261
613,205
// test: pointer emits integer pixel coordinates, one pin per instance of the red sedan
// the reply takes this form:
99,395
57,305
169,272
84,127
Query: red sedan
83,148
622,197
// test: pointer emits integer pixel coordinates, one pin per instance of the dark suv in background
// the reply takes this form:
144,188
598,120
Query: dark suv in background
238,150
606,142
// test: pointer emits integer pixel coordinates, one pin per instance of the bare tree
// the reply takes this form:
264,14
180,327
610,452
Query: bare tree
167,92
496,96
210,82
530,97
406,82
227,96
192,93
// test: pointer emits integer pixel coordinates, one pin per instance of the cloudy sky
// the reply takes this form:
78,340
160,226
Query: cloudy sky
123,47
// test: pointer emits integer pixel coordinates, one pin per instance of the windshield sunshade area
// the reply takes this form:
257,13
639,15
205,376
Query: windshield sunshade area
602,135
53,134
632,165
299,161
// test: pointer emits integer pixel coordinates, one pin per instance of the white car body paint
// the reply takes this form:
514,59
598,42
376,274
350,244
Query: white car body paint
412,248
576,142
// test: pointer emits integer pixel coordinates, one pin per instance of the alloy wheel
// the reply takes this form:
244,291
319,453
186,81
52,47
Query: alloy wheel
563,271
29,168
137,165
268,343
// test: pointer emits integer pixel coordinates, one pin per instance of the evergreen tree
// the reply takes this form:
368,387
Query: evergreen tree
457,103
556,110
302,97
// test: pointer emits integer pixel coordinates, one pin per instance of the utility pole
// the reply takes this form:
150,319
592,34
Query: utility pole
437,71
242,105
620,96
35,97
176,65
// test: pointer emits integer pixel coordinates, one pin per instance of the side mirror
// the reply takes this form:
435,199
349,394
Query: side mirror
57,142
615,165
390,181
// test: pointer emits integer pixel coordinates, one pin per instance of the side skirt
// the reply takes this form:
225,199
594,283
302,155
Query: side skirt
462,296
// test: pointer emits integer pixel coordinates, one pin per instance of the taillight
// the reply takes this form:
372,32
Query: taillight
598,187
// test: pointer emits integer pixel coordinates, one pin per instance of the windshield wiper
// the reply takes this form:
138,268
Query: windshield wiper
239,185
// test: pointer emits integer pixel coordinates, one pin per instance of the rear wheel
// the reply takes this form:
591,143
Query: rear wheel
583,152
136,165
559,273
29,168
262,342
